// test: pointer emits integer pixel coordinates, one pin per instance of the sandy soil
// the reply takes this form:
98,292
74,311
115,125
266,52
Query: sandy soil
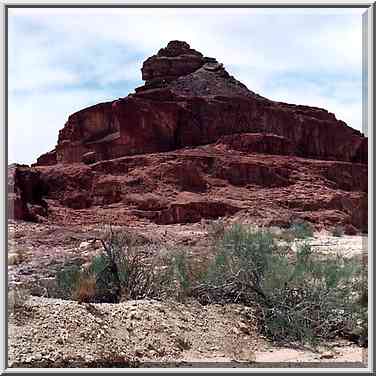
59,333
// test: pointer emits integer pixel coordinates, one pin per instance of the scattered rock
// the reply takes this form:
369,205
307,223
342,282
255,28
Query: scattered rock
327,355
244,327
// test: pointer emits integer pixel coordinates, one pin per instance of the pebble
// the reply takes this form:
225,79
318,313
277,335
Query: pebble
60,341
236,331
327,355
153,353
243,327
139,351
88,358
38,357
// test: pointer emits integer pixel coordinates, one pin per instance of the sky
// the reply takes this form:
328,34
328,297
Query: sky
63,60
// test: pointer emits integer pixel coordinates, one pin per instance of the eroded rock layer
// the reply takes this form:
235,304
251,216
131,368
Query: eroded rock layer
191,100
195,143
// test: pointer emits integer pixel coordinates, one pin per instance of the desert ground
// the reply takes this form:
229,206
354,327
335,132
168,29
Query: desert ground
50,332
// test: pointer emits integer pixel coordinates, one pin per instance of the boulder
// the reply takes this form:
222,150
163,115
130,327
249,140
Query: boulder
26,190
47,159
176,60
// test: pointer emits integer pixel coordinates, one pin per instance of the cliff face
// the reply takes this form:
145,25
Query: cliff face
193,143
191,100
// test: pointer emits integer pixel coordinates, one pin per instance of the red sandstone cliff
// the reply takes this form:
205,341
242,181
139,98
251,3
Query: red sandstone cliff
191,100
194,143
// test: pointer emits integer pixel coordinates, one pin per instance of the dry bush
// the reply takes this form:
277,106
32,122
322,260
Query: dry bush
299,299
17,298
286,236
216,228
124,270
17,257
67,280
177,274
85,291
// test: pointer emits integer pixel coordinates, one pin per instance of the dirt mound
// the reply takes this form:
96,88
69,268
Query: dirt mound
151,334
95,334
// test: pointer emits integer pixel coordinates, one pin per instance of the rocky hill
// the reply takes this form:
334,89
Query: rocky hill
195,143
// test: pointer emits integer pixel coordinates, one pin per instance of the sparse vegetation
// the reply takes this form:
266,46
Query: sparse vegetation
176,279
216,229
86,288
17,297
298,295
120,271
67,280
301,229
179,275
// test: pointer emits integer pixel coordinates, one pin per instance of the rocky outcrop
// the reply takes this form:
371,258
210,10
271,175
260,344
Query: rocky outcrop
193,143
172,62
194,211
26,193
244,173
210,182
257,143
47,159
190,100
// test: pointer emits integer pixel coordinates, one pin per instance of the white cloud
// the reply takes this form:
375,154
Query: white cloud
61,60
34,120
351,113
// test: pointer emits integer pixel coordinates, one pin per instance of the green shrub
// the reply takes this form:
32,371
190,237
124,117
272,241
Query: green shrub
299,298
216,229
309,299
67,280
120,271
17,297
299,295
241,257
302,229
179,275
106,282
